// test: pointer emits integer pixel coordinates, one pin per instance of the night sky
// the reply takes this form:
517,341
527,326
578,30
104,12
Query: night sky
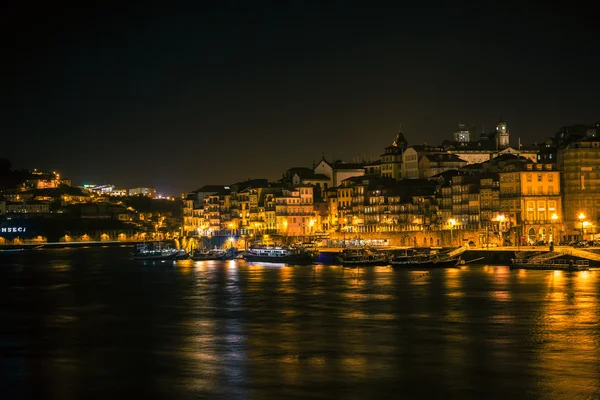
216,94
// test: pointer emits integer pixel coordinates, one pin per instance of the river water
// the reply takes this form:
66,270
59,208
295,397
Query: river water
91,323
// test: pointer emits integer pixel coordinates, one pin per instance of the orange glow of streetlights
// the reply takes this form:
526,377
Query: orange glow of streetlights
452,222
581,218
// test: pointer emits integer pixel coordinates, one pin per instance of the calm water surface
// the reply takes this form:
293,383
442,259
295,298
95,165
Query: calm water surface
90,323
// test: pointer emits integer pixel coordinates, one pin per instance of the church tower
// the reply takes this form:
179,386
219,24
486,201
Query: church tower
502,135
400,140
391,160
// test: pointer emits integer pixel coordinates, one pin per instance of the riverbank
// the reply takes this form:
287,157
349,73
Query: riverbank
66,245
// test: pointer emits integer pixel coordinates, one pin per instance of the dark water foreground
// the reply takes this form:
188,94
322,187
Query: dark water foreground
90,323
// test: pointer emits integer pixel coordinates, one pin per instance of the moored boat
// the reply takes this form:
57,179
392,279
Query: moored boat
280,255
215,254
424,261
550,265
154,252
182,255
362,257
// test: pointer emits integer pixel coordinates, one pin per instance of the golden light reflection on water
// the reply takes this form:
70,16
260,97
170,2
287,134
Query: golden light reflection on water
61,265
566,330
358,315
328,323
501,295
185,266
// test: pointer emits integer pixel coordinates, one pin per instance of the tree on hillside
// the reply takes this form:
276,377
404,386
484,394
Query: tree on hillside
10,178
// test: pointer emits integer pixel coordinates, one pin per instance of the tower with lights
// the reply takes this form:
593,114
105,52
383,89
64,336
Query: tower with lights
502,135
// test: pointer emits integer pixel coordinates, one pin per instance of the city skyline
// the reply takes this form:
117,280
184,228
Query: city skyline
218,95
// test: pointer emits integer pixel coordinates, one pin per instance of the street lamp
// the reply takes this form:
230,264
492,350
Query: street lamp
581,218
500,219
452,222
588,224
554,218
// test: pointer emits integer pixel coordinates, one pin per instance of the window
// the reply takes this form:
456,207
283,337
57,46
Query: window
528,177
539,177
540,190
550,190
550,177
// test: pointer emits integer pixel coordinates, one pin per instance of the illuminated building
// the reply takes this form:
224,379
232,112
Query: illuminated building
391,159
458,199
411,157
295,213
28,208
433,164
373,168
530,195
502,135
462,135
46,180
143,191
489,199
337,171
580,162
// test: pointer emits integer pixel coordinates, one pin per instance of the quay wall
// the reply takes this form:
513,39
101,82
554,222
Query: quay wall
443,238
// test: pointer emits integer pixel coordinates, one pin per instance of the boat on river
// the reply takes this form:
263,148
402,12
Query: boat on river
280,255
214,254
422,260
550,265
362,257
155,252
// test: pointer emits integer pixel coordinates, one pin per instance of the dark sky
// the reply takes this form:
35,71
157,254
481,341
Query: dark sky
179,98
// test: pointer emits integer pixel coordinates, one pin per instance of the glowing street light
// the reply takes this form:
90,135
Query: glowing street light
554,218
452,222
500,219
581,218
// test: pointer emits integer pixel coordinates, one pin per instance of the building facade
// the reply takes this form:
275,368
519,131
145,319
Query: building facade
144,191
411,157
391,159
433,164
580,162
530,199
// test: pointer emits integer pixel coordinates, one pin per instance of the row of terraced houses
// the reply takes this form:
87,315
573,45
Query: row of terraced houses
541,192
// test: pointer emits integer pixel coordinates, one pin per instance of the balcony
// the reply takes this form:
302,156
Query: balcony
541,222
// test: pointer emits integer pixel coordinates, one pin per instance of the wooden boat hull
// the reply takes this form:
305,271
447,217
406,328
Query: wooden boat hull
212,258
554,267
159,257
292,260
356,264
550,265
453,263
